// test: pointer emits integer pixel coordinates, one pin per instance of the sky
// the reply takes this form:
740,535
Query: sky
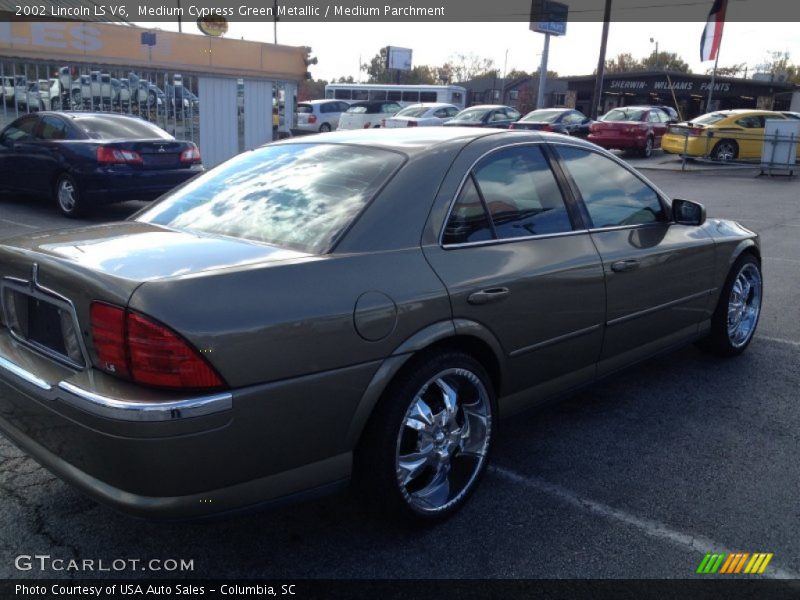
338,46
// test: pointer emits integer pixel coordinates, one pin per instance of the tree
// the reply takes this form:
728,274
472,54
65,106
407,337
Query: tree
311,89
348,79
623,63
779,63
731,71
665,61
464,67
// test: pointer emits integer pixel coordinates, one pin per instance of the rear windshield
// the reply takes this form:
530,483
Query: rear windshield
413,111
470,115
119,128
709,119
621,114
298,196
364,108
543,116
305,108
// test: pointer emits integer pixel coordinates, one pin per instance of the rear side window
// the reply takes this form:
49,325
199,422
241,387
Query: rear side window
613,195
518,197
468,220
53,129
751,122
118,128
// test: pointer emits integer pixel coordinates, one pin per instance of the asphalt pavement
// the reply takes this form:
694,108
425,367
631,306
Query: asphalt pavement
638,476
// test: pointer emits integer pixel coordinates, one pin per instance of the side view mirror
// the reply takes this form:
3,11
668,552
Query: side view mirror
686,212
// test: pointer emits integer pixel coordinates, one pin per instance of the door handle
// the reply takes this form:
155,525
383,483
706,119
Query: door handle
623,266
487,296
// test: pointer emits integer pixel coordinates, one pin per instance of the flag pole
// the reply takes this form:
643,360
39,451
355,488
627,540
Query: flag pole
713,76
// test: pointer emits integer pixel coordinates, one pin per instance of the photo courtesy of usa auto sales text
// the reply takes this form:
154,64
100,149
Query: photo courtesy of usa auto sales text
137,590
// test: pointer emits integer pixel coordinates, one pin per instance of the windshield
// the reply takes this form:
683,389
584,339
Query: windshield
299,196
470,115
305,109
624,114
543,116
708,119
413,111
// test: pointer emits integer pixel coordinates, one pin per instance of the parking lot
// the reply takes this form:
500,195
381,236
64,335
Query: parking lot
638,476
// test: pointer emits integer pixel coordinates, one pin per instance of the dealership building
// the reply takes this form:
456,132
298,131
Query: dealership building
686,92
220,93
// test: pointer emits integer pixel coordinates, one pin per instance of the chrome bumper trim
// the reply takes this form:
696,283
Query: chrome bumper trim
126,410
24,375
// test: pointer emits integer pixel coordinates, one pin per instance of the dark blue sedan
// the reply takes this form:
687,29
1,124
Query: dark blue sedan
85,159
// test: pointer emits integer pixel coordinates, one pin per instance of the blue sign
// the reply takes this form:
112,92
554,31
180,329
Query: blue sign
551,27
549,17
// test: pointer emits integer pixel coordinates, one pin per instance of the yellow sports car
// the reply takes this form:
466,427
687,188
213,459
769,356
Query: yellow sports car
720,135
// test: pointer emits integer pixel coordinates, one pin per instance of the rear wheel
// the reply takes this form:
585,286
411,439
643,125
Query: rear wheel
324,128
725,150
736,317
428,441
68,197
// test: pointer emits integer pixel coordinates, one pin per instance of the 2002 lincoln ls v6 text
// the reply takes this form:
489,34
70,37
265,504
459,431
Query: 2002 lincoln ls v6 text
356,305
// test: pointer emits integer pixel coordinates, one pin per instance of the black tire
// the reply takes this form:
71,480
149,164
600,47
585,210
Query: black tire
725,150
324,128
68,197
647,150
377,464
719,340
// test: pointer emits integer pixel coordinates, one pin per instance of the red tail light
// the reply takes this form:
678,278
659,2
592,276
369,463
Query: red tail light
412,124
107,155
312,118
191,155
108,334
132,346
512,126
695,131
366,125
547,128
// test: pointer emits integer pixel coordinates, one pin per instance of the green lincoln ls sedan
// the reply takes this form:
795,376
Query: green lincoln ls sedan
356,306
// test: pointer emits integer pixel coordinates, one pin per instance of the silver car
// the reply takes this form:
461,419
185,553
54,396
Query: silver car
319,115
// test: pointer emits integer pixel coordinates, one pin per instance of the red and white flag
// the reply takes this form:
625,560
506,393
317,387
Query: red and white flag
712,34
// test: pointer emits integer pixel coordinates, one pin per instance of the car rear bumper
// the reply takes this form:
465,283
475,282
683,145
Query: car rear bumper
618,142
119,184
158,455
692,146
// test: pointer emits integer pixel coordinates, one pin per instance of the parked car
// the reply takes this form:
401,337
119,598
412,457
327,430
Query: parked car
487,115
320,116
363,115
673,114
791,115
83,159
631,128
44,94
426,114
187,352
7,87
558,120
721,135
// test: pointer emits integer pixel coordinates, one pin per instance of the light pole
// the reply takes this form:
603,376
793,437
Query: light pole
655,41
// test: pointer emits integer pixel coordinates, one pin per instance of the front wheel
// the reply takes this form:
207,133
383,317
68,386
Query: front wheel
647,151
736,317
68,197
427,443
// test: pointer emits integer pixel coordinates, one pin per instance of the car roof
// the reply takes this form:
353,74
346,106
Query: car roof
429,105
488,106
414,140
321,101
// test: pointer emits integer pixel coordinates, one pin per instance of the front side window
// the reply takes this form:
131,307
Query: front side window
298,196
613,195
511,194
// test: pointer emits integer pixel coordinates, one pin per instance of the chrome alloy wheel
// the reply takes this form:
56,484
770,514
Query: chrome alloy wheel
725,151
744,305
443,441
66,195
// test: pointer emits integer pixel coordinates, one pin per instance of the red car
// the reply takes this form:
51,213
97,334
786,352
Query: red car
631,128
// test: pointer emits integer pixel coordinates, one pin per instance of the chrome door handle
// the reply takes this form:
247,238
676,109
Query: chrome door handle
623,266
489,295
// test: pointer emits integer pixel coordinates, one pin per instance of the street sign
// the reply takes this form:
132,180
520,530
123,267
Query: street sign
549,17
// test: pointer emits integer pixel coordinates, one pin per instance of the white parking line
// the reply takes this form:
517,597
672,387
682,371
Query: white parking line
690,541
768,338
791,260
19,224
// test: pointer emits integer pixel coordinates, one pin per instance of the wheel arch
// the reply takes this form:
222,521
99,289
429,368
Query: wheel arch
459,334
